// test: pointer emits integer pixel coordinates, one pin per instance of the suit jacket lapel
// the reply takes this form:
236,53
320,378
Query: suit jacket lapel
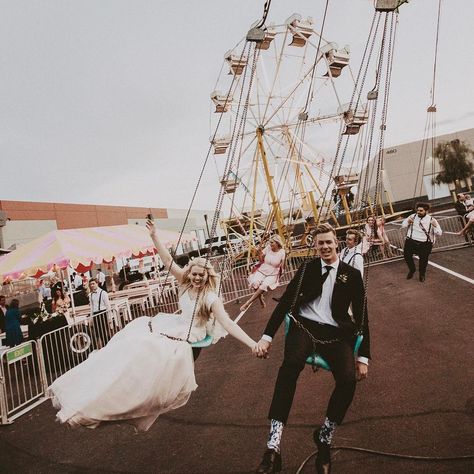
338,285
318,273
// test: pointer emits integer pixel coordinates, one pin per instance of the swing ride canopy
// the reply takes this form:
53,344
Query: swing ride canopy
81,248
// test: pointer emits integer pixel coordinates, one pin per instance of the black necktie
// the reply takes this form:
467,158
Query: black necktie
325,275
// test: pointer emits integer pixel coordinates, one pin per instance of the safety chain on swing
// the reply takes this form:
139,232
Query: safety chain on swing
430,124
193,198
231,153
365,59
371,41
303,117
383,127
255,35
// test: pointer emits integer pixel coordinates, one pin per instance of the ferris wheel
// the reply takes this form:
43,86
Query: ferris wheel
279,107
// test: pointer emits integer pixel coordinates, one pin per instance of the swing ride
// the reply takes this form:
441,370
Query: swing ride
284,99
284,96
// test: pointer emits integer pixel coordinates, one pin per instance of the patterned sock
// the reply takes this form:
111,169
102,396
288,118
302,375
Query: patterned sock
326,431
274,439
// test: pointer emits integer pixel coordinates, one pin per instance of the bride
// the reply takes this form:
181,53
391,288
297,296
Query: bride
141,372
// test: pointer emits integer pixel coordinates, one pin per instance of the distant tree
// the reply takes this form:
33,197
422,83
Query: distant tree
455,164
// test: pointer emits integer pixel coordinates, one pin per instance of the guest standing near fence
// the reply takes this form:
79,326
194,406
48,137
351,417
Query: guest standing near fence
100,309
3,312
422,230
13,324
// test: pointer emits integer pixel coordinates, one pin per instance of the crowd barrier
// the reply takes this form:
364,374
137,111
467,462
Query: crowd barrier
21,381
28,369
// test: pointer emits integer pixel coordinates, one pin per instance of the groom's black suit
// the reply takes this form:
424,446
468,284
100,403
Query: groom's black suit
348,291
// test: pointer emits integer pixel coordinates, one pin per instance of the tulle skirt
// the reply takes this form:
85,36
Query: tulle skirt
136,377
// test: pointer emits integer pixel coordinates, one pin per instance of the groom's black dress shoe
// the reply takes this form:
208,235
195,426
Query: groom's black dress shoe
323,457
271,462
410,275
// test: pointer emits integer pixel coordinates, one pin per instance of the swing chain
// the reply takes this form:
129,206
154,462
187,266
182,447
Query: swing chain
266,9
313,339
173,338
298,323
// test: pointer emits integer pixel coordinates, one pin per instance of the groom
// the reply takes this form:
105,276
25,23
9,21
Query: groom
328,288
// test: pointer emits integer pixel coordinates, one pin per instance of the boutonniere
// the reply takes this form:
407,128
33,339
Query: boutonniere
342,278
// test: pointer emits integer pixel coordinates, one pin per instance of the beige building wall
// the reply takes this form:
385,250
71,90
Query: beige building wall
21,232
402,178
29,220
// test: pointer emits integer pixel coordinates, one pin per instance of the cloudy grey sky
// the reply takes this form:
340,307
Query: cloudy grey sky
107,101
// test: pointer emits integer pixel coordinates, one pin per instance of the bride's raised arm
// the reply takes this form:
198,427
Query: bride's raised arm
165,256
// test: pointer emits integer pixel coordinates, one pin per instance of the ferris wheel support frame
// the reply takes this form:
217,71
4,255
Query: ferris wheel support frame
305,204
275,203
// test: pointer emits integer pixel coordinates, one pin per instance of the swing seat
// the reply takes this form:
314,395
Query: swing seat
315,360
206,342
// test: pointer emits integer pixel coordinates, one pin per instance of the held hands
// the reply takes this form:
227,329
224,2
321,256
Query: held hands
262,348
362,371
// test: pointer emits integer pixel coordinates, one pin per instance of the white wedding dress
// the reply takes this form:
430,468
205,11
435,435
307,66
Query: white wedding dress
137,376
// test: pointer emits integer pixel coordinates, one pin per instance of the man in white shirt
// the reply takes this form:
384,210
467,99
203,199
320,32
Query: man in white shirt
422,230
100,309
319,297
352,253
77,281
44,291
469,202
101,278
99,299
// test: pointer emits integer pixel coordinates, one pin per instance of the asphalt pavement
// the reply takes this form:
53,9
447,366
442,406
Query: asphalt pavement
417,401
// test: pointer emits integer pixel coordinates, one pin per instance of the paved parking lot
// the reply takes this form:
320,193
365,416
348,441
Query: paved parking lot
417,401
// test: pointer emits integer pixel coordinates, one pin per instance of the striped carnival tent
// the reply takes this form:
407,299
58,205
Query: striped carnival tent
81,248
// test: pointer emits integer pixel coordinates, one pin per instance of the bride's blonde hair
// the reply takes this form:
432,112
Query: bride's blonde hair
211,284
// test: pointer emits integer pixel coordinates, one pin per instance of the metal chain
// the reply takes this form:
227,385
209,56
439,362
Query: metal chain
340,138
266,9
220,197
173,338
298,323
196,188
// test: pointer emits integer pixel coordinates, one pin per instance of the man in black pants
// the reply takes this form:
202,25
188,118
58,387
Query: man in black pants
421,233
100,309
321,305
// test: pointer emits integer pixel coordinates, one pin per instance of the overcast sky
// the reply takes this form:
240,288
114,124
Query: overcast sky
107,101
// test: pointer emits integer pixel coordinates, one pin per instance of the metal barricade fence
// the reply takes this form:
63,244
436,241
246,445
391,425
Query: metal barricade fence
22,385
451,226
28,369
68,346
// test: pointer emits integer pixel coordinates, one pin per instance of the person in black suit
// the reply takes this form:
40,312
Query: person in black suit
321,305
3,312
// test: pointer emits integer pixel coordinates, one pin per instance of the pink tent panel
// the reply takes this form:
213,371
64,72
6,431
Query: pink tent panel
82,248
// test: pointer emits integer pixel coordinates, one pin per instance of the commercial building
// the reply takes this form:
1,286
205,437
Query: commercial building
409,171
22,221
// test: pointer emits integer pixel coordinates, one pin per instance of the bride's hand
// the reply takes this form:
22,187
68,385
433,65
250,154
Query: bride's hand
151,226
256,350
